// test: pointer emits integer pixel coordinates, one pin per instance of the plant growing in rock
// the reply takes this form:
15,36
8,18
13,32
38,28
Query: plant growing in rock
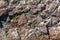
14,18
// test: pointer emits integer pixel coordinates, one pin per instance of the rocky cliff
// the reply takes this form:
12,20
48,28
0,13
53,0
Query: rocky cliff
29,19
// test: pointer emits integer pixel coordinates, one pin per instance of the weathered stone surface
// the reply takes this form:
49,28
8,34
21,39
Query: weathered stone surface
2,11
3,4
30,19
13,34
22,19
54,32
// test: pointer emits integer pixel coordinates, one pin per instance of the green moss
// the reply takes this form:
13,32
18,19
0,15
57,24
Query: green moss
14,17
6,31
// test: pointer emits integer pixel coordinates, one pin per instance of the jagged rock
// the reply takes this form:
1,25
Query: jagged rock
3,4
54,32
43,37
2,11
22,19
1,34
35,34
52,7
13,34
54,20
35,19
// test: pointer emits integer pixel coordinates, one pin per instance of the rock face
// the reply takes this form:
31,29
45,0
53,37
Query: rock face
22,19
3,4
29,19
13,34
55,32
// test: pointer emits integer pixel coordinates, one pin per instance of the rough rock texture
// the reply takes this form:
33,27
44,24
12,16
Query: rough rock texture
29,19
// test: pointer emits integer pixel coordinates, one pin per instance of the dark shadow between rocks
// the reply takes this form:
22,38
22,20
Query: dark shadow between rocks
3,18
1,26
47,28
